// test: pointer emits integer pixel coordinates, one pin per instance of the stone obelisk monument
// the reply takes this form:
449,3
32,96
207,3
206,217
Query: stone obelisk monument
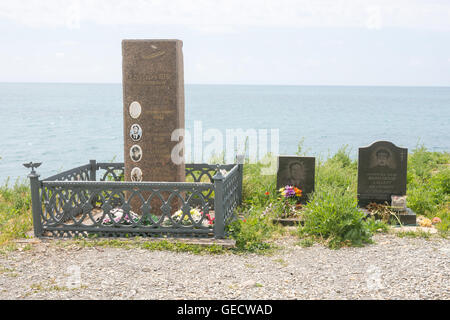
153,97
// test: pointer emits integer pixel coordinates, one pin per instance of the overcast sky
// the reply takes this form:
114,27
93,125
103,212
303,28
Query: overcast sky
395,42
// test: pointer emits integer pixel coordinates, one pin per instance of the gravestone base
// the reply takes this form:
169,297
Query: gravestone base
406,218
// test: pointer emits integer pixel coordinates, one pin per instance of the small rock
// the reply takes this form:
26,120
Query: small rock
249,284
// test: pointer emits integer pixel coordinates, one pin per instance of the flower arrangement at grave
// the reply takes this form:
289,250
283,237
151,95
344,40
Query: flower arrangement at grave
424,222
290,196
196,215
382,211
291,192
118,217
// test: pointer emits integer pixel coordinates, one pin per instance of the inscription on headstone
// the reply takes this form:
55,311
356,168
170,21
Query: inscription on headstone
381,172
153,96
297,171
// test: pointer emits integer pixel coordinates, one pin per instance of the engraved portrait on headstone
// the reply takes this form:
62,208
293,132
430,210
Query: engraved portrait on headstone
382,158
136,174
296,173
136,132
136,153
135,109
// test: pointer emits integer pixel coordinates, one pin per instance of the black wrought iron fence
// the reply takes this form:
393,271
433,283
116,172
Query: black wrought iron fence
74,203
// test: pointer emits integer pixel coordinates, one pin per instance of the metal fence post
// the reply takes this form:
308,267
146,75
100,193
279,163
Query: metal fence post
219,205
93,170
36,205
240,161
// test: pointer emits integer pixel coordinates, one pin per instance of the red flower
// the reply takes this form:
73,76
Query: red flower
436,220
210,220
245,220
267,193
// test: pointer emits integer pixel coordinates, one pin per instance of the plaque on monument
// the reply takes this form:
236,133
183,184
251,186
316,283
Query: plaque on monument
135,132
298,172
153,97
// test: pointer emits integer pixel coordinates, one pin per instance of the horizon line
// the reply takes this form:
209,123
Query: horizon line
241,84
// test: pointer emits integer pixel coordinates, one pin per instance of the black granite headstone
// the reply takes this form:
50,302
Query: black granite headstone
382,169
297,171
381,172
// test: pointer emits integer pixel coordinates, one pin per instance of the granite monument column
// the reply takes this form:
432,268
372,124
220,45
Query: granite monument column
153,96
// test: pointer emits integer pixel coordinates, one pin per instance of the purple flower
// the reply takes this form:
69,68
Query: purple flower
289,191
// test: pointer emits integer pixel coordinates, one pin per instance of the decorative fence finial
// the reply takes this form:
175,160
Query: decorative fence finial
32,166
240,158
218,174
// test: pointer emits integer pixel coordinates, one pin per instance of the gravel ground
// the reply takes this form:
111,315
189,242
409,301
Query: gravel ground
392,268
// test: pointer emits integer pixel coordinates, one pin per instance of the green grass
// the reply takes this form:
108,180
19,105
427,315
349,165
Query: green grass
414,234
254,228
305,242
137,242
333,215
428,188
15,211
330,217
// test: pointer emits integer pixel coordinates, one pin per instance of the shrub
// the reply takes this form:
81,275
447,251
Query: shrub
342,158
252,231
333,214
428,186
15,211
338,171
259,189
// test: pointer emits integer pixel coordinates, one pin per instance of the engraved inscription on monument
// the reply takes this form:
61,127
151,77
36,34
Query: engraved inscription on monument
381,172
153,99
153,93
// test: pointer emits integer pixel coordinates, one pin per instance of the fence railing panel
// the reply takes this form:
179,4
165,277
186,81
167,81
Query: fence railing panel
72,203
231,194
76,174
129,207
110,171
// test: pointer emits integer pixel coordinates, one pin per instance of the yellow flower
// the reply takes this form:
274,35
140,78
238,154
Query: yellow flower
425,222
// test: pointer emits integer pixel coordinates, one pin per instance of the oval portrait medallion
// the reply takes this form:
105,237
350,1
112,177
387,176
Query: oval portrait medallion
135,132
136,153
135,109
136,174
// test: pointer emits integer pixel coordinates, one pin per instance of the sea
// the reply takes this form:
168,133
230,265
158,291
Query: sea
64,125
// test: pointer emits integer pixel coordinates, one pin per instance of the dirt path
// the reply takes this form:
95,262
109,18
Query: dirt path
393,268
